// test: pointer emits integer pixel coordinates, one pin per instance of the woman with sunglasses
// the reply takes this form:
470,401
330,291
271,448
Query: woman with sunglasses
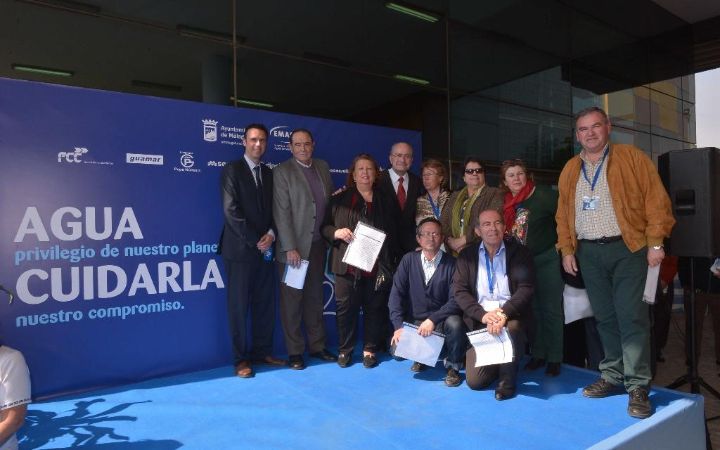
355,288
461,211
529,213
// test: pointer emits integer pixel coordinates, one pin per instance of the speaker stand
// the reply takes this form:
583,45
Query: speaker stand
693,378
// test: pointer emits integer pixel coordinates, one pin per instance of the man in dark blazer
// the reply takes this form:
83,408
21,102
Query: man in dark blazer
493,285
421,294
404,188
246,247
301,192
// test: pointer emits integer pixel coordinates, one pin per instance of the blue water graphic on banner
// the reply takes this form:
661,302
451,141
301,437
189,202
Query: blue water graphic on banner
110,215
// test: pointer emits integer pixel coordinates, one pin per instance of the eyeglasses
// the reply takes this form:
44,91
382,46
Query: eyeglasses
427,234
474,171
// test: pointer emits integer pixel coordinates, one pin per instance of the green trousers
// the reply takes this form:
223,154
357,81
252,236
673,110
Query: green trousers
615,279
547,336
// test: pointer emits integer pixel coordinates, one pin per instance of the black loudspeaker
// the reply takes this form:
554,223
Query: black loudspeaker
691,177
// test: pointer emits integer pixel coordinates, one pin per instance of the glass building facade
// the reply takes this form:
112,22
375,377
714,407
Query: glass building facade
496,80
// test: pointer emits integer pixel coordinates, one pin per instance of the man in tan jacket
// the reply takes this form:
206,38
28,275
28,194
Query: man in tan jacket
613,214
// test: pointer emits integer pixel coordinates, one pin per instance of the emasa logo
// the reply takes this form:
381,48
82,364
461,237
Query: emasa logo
281,133
210,133
187,163
72,157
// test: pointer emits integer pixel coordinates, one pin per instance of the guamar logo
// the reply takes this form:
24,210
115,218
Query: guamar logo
138,158
72,157
187,160
210,130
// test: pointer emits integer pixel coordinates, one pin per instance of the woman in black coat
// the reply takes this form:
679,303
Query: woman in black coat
354,287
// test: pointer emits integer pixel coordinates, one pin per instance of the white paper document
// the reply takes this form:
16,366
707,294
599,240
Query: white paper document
651,284
295,276
414,347
491,349
363,251
576,304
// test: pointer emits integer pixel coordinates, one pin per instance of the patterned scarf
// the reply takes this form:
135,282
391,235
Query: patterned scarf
458,211
511,203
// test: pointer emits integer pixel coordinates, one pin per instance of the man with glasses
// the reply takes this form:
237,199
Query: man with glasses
421,295
613,214
404,188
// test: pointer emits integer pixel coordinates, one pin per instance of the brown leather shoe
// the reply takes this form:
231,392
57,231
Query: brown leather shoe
639,404
601,388
244,370
271,361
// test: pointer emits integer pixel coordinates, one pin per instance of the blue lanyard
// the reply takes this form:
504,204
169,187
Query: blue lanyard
490,269
435,208
597,172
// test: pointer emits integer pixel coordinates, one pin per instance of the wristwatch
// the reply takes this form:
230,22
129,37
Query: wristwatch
657,247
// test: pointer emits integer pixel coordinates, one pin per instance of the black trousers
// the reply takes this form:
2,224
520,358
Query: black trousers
350,296
250,286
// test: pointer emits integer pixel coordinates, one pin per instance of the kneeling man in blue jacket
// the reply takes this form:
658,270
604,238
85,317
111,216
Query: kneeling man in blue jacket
422,294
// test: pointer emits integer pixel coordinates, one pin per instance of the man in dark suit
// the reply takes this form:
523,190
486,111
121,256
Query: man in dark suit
404,188
493,285
302,188
421,295
246,247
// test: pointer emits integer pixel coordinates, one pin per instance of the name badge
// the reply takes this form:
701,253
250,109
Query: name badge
589,203
489,304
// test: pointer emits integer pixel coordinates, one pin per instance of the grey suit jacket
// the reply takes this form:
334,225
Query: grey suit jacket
294,206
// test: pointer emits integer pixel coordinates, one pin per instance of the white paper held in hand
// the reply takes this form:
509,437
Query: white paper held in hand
363,251
414,347
490,349
295,276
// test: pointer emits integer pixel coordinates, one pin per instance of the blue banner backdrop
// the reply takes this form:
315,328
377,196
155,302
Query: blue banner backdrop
110,215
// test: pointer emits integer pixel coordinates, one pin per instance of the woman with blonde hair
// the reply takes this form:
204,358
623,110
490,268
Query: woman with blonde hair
434,180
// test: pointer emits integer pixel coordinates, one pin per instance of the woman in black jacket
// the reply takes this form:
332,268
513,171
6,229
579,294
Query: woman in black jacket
354,287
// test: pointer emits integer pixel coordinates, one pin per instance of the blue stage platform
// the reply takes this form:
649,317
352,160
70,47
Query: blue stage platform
325,407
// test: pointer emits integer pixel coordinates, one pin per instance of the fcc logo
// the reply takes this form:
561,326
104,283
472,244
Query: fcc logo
72,157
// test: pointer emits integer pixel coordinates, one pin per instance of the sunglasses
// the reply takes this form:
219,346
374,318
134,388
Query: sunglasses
474,171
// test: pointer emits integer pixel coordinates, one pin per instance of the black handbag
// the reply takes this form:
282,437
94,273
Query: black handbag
384,277
575,281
